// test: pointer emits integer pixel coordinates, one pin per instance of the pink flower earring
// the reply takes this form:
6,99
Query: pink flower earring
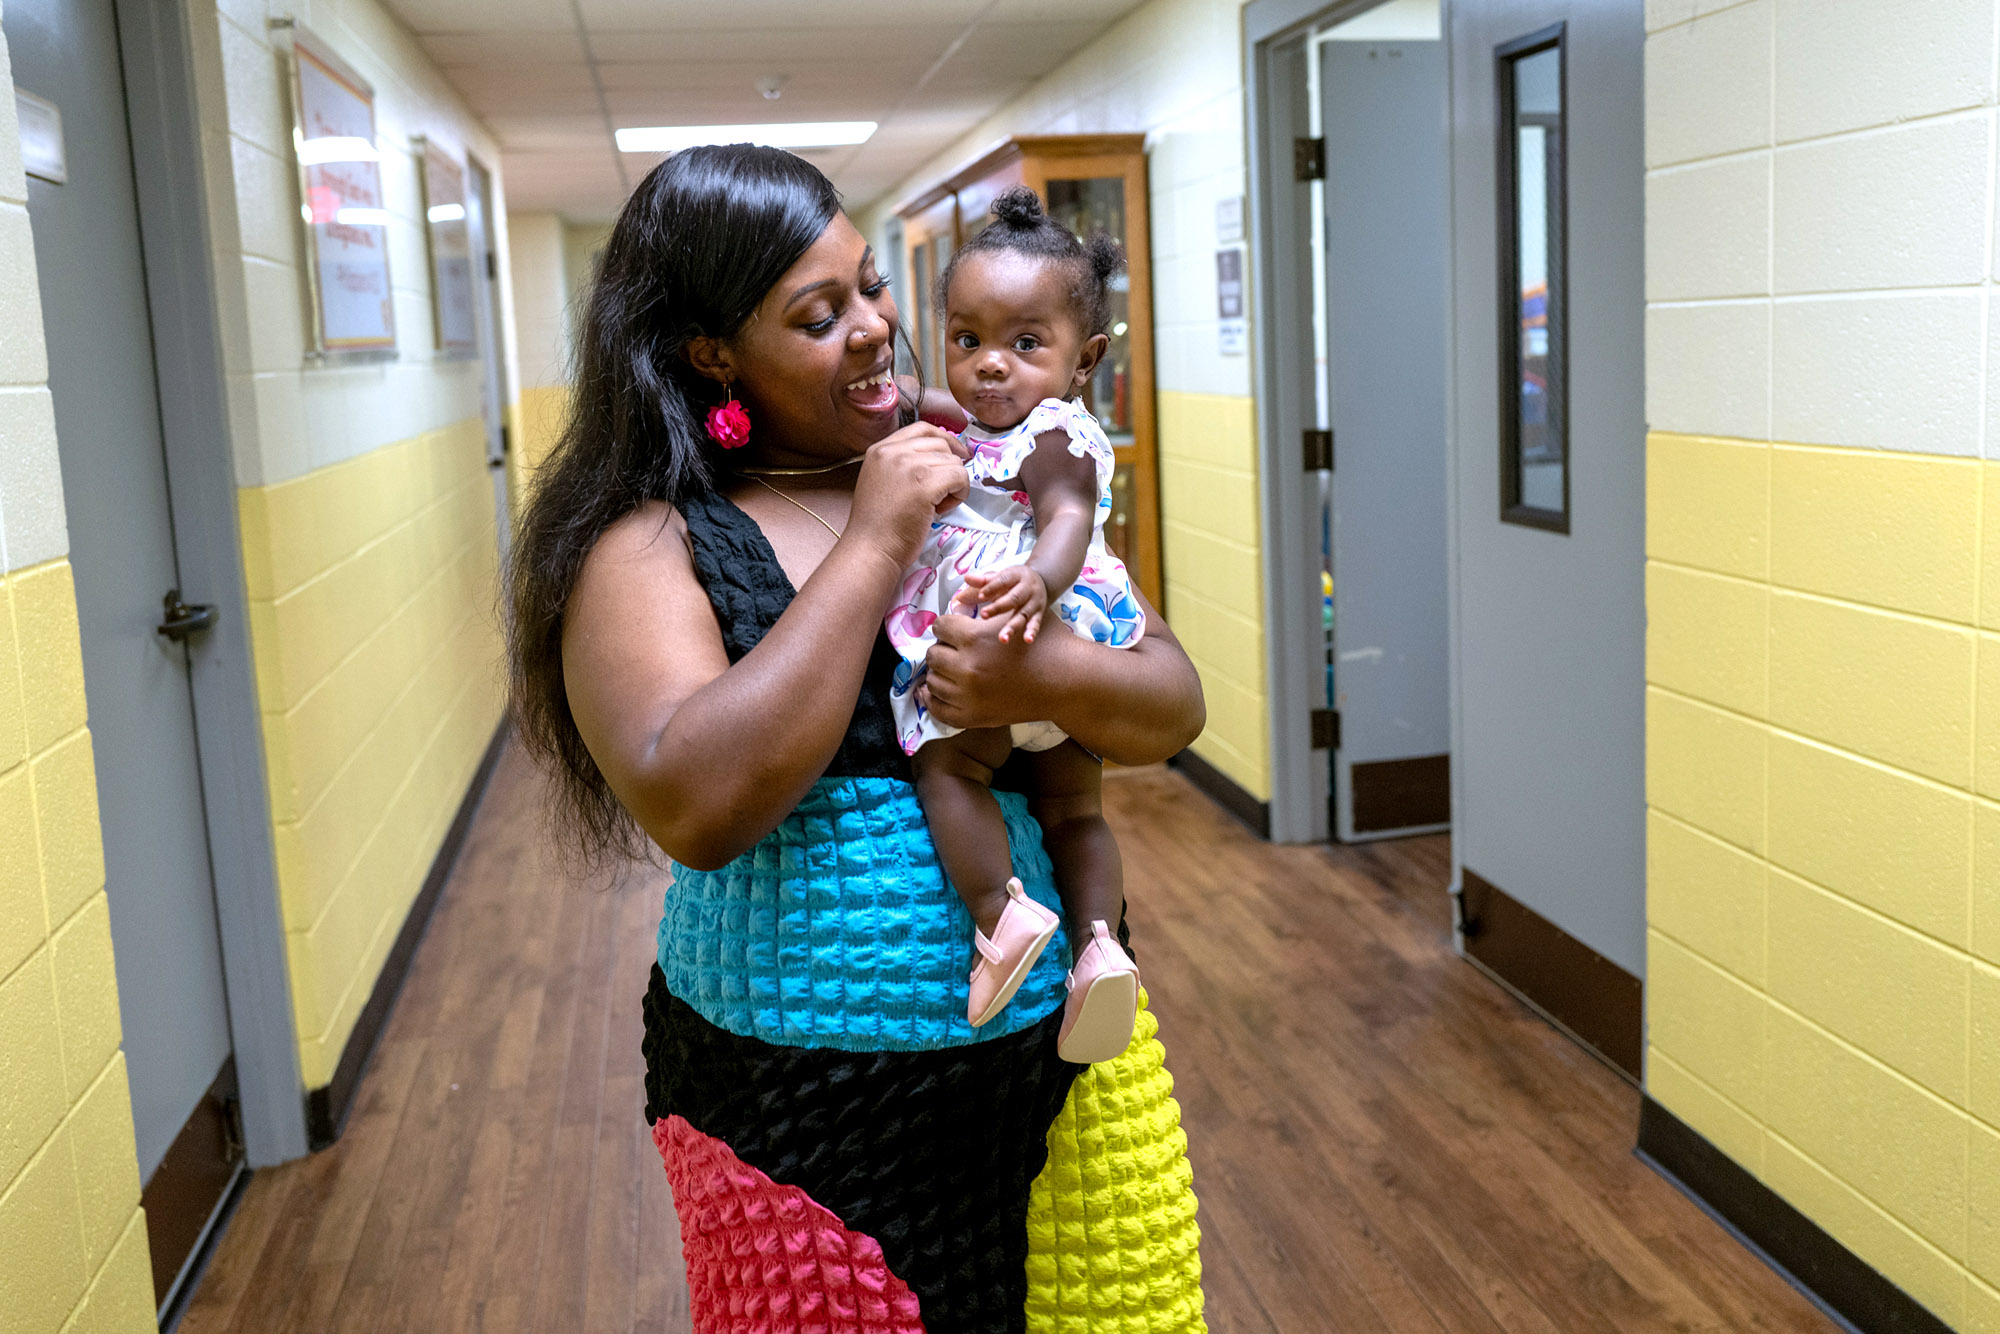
729,425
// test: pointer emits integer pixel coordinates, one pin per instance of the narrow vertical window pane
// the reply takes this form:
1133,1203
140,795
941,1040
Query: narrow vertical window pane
1534,425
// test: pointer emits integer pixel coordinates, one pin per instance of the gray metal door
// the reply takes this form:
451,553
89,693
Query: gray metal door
1387,238
1551,624
101,374
486,316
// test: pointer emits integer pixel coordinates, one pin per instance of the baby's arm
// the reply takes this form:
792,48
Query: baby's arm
1062,491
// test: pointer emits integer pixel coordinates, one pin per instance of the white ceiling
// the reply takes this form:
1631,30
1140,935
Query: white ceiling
554,78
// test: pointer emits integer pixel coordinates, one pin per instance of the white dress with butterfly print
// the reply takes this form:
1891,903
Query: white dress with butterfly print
994,527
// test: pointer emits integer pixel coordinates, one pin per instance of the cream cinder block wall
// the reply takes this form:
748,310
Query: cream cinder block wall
1173,70
541,298
1823,597
366,508
71,1231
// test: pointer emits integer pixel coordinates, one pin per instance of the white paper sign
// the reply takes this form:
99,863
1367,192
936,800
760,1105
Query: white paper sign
343,204
1229,220
41,138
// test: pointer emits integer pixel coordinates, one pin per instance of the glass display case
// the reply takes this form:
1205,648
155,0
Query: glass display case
1091,183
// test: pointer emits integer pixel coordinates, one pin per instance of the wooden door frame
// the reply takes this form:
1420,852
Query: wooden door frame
157,44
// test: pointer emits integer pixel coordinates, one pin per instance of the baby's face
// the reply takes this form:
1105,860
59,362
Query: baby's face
1011,339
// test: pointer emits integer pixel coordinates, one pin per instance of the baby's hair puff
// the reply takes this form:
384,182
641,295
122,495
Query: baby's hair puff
1022,225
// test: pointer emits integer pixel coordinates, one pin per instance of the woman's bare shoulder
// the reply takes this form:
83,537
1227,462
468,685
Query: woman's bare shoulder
639,574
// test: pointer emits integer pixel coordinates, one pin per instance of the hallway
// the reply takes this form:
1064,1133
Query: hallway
1382,1139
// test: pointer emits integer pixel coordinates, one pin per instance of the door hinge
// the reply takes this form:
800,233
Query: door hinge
1309,159
1318,450
1326,729
232,1128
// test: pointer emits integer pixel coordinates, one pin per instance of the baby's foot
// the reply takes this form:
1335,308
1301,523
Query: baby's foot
1023,932
1103,1001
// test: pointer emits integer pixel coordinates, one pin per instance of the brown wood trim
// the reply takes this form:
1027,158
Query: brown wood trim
1799,1249
1081,145
327,1107
191,1181
1401,794
1225,792
1593,999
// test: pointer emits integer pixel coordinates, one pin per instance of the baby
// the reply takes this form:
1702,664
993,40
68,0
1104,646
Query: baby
1026,309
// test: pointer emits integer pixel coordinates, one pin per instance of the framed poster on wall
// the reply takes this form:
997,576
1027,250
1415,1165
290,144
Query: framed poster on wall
451,252
340,187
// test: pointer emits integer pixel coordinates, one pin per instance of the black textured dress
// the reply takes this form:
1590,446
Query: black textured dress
846,1152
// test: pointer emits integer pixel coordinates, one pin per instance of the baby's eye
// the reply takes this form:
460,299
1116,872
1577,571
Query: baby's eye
1026,343
968,341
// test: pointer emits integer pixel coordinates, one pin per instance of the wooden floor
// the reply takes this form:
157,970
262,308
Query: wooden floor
1382,1139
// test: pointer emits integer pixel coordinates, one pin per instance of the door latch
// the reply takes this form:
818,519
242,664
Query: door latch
185,618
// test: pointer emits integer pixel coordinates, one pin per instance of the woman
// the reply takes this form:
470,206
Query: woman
698,657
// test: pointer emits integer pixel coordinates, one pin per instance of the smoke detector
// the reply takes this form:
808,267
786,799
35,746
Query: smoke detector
772,86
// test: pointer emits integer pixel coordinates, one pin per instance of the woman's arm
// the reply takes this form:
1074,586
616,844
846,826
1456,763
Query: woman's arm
706,756
1136,705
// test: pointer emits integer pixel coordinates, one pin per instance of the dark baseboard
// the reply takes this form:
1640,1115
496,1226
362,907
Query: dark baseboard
183,1194
1401,794
1225,791
1783,1237
327,1107
1592,998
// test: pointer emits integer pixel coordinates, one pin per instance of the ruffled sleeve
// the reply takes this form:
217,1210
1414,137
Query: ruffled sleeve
1001,462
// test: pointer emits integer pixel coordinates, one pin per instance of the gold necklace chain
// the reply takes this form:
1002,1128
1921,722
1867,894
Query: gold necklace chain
797,503
801,472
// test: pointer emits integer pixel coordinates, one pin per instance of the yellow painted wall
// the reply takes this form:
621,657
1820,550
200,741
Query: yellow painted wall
71,1232
372,590
539,413
1823,607
1823,736
1209,522
366,507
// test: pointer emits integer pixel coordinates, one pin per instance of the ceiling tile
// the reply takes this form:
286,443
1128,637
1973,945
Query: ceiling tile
451,50
484,16
772,15
790,50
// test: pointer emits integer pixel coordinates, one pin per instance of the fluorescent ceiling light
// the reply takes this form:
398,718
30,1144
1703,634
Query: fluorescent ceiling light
336,148
798,134
445,213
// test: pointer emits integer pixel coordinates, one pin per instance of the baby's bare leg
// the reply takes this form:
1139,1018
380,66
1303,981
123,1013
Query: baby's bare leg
954,778
1068,799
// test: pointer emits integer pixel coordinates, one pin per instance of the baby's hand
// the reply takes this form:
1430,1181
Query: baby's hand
1016,593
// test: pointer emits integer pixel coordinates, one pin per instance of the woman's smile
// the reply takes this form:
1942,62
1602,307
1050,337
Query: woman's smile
874,393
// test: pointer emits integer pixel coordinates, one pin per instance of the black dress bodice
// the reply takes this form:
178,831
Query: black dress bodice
749,590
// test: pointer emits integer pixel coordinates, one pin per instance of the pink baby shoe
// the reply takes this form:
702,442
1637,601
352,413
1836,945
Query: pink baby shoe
1103,1001
1025,929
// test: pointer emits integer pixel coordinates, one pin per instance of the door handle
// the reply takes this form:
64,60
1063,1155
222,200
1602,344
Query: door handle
185,618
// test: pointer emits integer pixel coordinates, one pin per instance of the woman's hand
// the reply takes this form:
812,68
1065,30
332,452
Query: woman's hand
1136,705
907,479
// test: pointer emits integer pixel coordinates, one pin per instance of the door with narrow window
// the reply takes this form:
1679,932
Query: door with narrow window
1549,460
1387,251
479,229
135,643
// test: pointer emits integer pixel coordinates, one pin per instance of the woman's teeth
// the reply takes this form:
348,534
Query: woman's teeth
871,382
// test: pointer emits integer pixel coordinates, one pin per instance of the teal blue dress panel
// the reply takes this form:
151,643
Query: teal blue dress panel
840,930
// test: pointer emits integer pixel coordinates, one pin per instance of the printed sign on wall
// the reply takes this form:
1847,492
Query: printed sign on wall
451,252
347,226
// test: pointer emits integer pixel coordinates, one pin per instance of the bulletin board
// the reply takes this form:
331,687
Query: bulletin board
346,222
451,252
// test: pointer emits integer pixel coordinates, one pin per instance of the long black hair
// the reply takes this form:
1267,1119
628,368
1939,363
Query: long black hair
1022,225
696,247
